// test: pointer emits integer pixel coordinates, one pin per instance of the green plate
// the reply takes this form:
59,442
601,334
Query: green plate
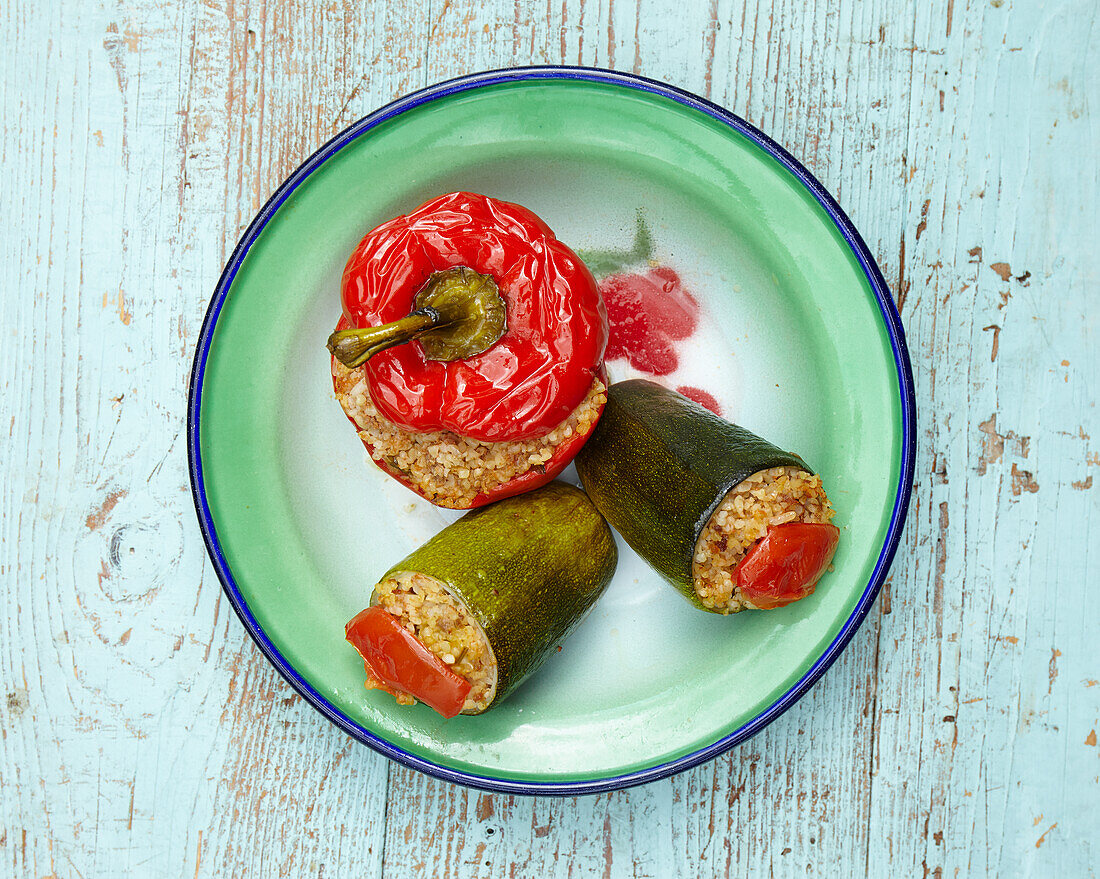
798,341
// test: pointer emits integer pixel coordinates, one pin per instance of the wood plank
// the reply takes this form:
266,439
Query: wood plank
145,734
980,734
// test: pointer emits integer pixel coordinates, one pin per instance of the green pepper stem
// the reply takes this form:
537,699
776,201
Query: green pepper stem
355,347
459,314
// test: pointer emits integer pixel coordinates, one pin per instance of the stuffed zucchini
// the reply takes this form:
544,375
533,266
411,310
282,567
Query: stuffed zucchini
464,619
730,520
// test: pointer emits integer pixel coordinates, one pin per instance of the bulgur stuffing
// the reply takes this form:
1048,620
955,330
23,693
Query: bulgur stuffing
448,469
769,497
442,624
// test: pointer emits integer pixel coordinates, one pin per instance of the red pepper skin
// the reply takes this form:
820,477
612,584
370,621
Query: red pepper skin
540,369
786,563
399,660
561,458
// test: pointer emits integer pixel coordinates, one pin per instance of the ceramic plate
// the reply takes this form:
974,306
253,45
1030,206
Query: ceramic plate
796,338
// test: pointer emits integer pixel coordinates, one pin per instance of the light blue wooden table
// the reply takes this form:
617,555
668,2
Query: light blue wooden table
142,733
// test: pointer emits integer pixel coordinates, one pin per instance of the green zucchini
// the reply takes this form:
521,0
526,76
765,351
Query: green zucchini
658,465
528,568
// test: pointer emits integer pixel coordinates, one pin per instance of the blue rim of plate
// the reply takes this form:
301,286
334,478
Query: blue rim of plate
890,317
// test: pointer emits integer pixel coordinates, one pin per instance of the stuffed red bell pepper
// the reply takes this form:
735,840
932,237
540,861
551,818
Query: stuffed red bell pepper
469,354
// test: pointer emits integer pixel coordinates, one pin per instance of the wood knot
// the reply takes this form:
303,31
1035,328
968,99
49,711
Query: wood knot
133,544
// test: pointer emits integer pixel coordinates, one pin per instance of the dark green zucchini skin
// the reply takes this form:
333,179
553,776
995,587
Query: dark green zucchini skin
658,465
529,568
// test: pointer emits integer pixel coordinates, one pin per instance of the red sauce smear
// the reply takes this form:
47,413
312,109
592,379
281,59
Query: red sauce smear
648,311
701,397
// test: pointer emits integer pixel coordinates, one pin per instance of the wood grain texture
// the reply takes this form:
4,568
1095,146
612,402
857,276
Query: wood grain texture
143,734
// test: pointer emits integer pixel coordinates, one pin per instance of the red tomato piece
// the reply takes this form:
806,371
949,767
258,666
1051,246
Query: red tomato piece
401,662
786,563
